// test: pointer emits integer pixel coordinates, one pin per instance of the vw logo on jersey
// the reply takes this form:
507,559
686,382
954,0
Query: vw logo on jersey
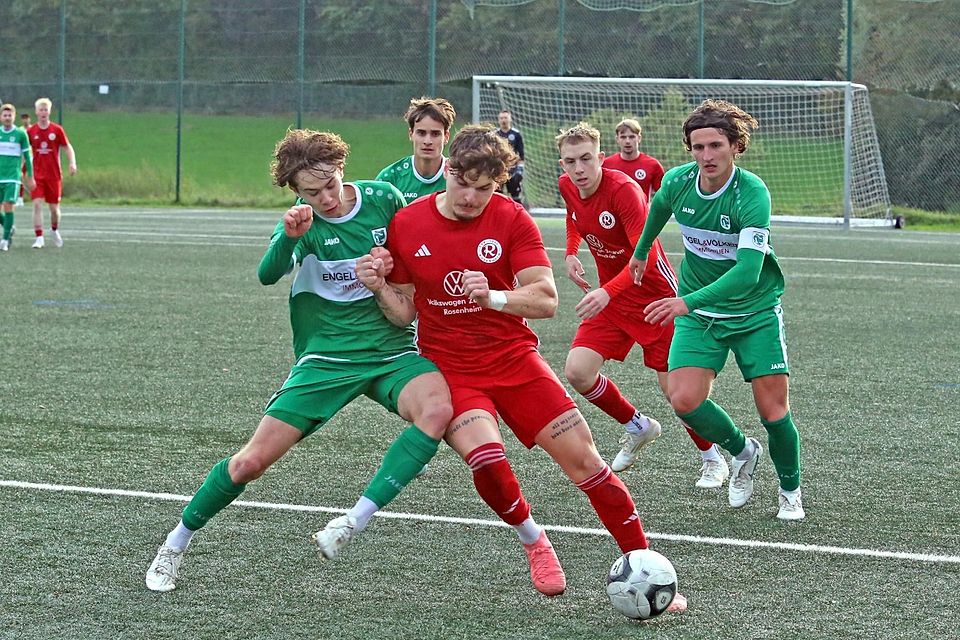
725,221
594,241
489,250
607,220
453,284
640,174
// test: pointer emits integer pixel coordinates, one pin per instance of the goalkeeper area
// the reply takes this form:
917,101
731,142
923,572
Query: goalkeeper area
816,147
142,353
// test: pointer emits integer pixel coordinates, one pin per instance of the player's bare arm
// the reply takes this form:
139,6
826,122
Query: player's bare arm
575,272
663,311
535,298
297,220
395,300
637,267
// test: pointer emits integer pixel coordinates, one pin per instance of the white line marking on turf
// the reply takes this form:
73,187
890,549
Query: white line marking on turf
279,506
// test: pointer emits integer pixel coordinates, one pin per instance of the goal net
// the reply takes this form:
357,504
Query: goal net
816,147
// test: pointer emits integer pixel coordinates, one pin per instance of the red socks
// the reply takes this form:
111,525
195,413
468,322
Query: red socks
497,484
608,398
612,502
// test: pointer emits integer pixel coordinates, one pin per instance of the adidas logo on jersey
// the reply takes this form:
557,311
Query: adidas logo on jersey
422,252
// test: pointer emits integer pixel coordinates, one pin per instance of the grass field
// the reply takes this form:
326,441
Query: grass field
142,352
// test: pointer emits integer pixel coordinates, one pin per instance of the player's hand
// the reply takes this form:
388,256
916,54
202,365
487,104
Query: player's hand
476,287
636,268
371,271
663,311
297,220
575,272
383,254
593,303
73,169
31,183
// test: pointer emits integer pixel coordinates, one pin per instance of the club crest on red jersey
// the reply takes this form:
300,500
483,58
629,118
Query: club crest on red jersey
489,250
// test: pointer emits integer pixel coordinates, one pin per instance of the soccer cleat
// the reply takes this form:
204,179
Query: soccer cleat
57,240
335,536
633,443
679,604
791,509
38,243
4,245
713,473
545,570
162,574
423,471
741,478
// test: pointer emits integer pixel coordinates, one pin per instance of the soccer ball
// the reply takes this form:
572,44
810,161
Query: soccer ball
641,584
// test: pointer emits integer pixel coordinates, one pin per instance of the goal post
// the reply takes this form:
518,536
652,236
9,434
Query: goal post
816,147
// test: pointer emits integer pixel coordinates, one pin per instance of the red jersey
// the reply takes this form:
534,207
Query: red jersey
46,145
611,221
432,251
645,170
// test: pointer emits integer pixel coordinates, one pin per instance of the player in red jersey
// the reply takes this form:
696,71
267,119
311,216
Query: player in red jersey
46,139
608,209
645,170
470,264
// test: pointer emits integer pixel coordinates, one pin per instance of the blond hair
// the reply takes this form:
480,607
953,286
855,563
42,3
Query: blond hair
583,132
43,101
630,124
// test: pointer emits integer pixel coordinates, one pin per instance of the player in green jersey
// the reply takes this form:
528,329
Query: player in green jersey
14,155
728,300
429,121
344,347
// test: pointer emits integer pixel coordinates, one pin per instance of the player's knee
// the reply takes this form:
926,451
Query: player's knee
435,418
578,376
247,466
684,402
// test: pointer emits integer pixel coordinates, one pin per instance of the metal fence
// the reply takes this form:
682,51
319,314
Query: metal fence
365,59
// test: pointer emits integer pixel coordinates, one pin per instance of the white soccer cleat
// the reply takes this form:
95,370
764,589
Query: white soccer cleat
423,471
791,509
162,574
57,240
335,536
741,478
38,243
633,443
19,202
4,245
713,473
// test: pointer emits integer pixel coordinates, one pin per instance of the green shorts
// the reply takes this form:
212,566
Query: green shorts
758,342
317,389
9,191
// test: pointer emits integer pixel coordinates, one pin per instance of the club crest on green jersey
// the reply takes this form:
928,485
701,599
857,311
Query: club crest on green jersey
759,239
725,221
379,236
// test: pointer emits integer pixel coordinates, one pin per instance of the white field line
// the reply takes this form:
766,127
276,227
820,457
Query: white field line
193,239
729,542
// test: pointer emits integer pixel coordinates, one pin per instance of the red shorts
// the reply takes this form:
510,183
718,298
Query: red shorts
612,333
50,189
526,393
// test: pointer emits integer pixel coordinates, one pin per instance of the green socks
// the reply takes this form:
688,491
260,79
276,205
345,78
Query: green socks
406,456
216,492
7,224
784,442
710,421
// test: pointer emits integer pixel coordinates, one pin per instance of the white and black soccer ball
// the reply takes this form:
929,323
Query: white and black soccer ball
641,584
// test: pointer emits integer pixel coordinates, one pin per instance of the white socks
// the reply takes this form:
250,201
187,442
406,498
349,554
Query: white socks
362,512
180,537
528,530
637,423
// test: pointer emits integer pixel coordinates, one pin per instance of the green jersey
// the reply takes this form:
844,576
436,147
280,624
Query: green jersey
403,175
333,316
14,150
719,230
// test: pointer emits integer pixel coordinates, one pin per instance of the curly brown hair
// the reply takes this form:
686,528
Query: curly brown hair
478,150
735,123
305,149
437,108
